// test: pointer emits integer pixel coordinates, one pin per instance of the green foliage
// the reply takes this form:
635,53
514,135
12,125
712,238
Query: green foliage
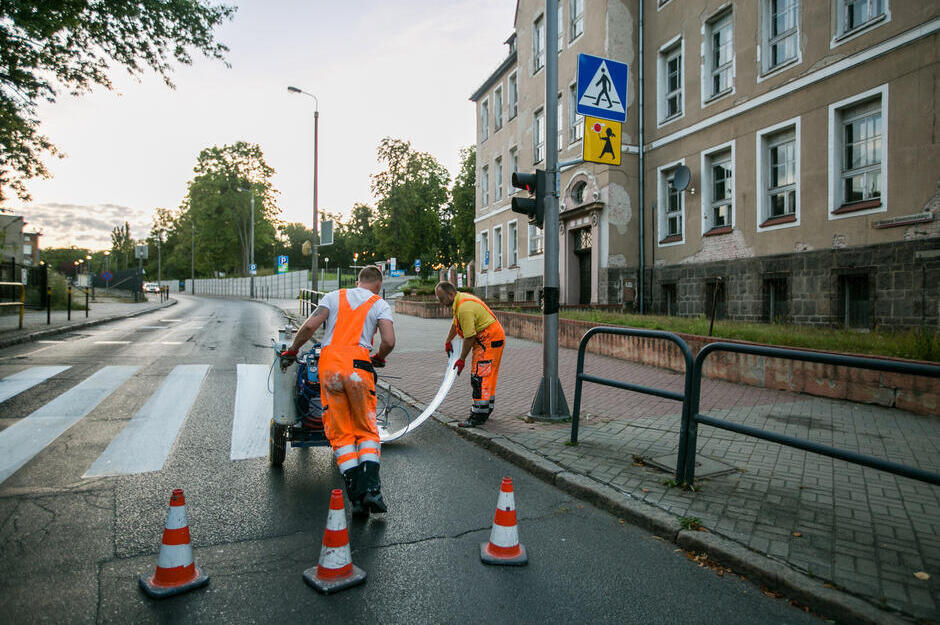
919,344
122,246
48,47
690,522
463,207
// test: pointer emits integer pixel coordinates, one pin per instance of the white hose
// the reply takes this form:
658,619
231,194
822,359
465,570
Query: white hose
385,436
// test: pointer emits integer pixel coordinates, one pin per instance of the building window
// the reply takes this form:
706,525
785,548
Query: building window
538,44
513,96
485,119
575,121
498,247
720,55
776,301
671,209
577,193
561,28
484,249
670,82
715,301
513,163
857,14
560,123
538,136
858,139
498,107
855,301
670,304
781,32
513,244
485,185
718,196
778,171
498,180
536,239
576,17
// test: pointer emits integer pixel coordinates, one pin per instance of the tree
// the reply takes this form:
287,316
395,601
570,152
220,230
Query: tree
463,206
122,245
48,47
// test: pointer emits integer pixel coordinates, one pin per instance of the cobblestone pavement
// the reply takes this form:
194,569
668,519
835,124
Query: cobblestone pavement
861,530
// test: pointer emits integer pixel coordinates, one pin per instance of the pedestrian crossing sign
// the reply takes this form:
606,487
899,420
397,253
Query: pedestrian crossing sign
602,88
602,139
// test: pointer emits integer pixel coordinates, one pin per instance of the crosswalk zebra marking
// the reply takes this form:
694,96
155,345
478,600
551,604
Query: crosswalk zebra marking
146,441
27,437
28,378
253,408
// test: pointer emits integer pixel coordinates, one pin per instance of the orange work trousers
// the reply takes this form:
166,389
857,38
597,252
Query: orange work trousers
347,390
484,369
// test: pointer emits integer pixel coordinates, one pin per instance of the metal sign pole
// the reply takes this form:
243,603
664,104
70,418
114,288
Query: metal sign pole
549,403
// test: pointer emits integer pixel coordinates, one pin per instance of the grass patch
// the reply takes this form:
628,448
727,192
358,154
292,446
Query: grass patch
918,344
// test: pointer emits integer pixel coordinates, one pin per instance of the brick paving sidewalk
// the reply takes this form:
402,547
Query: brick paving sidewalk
858,529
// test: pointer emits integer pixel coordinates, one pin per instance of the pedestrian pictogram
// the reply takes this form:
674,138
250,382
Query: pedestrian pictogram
602,141
602,88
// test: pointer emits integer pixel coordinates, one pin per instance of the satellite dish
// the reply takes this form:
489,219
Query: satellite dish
680,179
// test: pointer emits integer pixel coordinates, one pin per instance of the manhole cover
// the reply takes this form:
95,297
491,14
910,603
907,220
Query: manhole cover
704,466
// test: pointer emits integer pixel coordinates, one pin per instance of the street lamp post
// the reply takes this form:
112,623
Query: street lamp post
251,252
192,257
316,234
107,269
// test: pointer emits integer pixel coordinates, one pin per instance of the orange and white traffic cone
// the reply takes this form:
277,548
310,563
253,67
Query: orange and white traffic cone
176,572
335,570
504,547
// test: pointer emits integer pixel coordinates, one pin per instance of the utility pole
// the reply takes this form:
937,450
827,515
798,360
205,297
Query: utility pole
316,234
549,403
251,254
192,258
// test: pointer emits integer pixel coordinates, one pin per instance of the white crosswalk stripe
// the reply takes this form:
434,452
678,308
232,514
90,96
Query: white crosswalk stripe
253,408
28,378
27,437
145,442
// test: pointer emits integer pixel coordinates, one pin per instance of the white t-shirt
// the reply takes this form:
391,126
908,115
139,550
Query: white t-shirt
355,298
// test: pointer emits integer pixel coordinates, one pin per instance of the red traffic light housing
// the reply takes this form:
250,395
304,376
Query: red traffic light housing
535,183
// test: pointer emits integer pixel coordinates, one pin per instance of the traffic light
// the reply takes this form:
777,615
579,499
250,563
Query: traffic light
535,183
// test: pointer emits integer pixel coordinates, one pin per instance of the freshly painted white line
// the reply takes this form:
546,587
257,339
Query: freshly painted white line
112,342
152,327
145,442
28,378
50,342
253,409
27,437
169,320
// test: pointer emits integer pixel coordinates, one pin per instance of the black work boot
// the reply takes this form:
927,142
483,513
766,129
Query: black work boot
372,489
354,490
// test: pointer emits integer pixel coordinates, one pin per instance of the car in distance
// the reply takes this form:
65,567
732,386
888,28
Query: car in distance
151,287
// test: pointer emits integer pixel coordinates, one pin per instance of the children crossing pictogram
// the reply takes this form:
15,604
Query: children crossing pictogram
602,141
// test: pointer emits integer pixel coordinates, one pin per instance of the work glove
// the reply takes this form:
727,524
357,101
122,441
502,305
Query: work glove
378,362
459,365
449,348
287,358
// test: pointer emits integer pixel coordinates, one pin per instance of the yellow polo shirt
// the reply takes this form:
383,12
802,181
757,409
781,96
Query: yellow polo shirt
471,314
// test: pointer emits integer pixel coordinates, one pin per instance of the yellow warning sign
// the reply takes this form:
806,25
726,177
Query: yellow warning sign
602,140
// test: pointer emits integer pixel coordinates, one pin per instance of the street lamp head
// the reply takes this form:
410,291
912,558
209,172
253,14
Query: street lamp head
107,252
88,256
293,89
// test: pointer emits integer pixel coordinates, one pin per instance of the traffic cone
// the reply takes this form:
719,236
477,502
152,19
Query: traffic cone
504,547
335,570
176,571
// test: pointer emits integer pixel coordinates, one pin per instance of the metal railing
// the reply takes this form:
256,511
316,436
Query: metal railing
658,392
685,466
309,299
22,301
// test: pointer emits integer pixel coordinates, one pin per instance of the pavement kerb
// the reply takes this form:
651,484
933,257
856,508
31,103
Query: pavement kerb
39,334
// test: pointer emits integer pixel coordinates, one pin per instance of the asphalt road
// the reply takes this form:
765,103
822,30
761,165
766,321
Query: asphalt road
72,547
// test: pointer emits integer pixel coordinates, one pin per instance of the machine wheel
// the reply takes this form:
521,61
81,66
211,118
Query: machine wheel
277,444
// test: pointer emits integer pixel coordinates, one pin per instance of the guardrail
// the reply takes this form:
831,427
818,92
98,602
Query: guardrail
309,299
21,303
685,466
658,392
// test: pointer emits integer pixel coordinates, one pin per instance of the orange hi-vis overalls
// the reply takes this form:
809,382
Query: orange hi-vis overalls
347,389
484,368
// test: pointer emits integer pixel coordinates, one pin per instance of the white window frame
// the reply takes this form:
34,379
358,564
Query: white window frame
575,19
485,119
842,35
497,179
837,151
538,43
722,19
674,46
762,173
575,121
513,95
767,70
561,27
513,166
560,122
484,247
536,236
485,185
538,136
512,243
663,174
707,203
497,248
498,108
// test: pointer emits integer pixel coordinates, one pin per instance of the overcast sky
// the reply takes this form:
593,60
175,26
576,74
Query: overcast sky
404,69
